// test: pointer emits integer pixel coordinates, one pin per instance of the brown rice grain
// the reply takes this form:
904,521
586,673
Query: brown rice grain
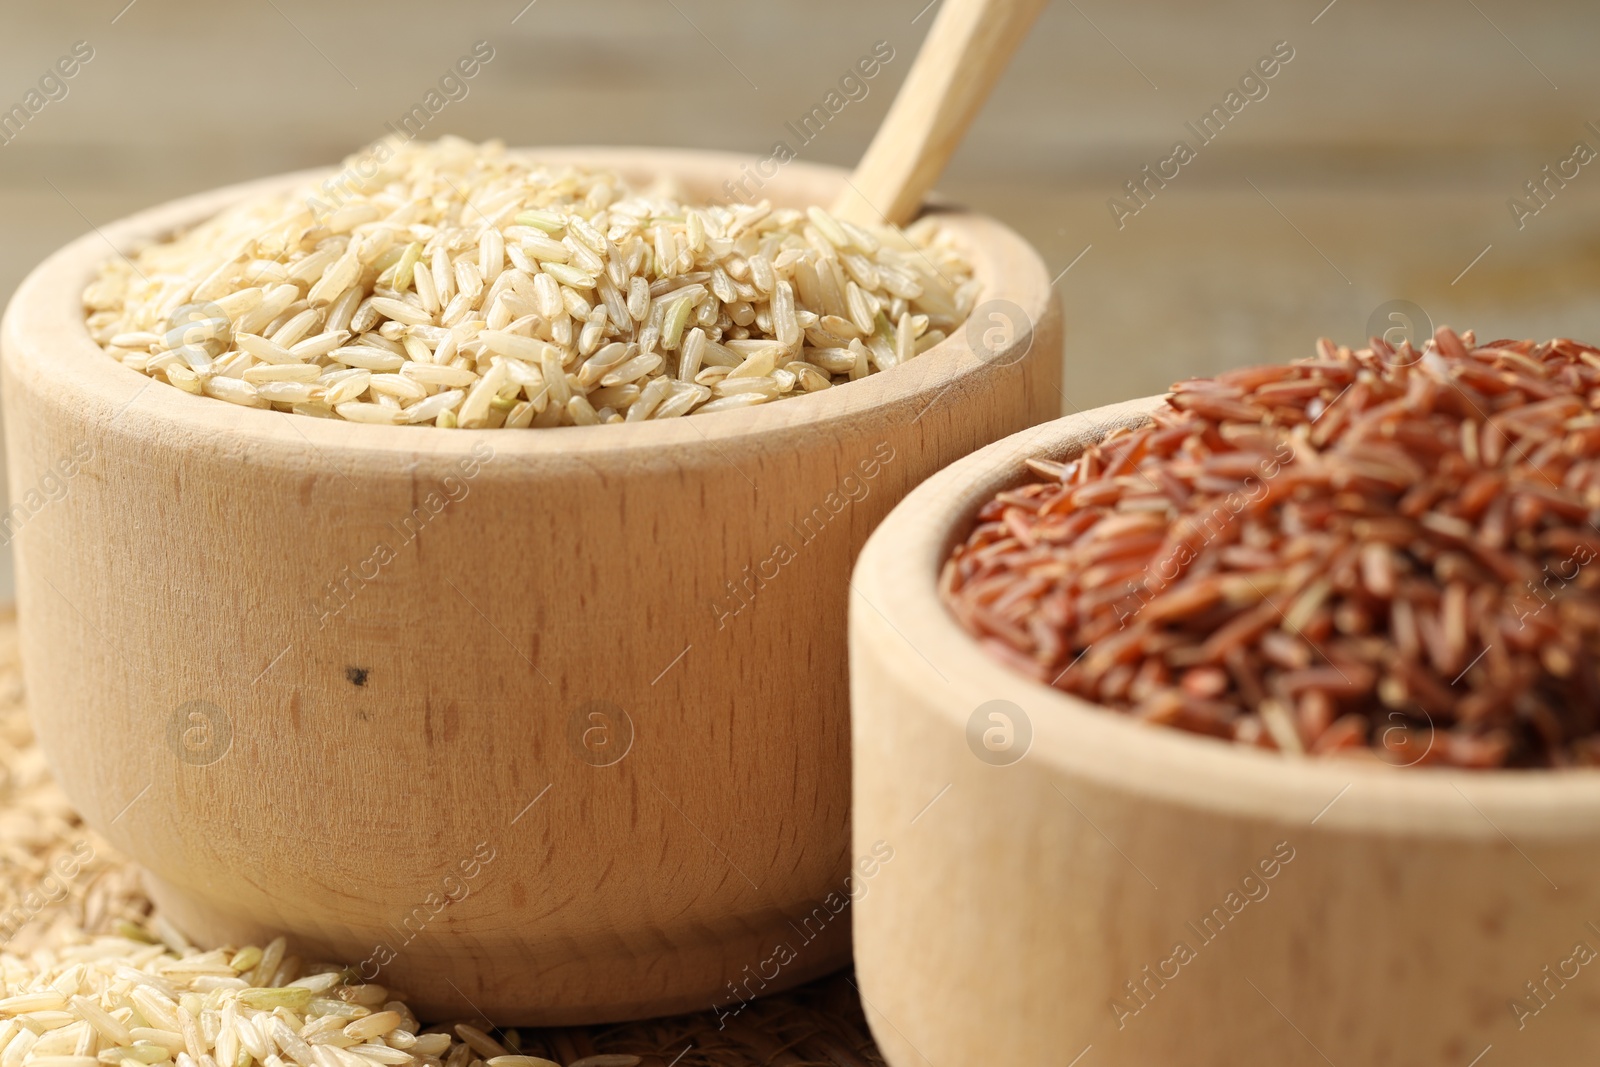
455,248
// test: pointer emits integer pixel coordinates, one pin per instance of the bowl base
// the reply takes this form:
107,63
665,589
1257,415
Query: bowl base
449,981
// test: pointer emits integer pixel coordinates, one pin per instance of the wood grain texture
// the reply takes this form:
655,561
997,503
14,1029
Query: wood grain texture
1413,907
420,730
1371,144
968,47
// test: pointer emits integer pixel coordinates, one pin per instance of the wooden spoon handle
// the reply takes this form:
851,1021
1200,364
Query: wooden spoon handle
969,45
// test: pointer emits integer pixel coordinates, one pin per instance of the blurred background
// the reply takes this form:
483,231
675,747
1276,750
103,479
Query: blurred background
1375,178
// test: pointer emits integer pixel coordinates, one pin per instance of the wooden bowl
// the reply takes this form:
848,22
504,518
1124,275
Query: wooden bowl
1039,891
546,726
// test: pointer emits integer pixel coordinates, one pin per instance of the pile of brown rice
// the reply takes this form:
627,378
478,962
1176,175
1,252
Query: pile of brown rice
456,284
1380,553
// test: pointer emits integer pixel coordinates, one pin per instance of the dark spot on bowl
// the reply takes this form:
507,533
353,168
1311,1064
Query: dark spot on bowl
357,675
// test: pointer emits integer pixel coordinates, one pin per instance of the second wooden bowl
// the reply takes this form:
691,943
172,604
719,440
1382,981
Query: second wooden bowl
548,726
1068,886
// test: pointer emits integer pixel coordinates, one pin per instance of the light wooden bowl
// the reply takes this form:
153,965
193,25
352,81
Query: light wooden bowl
1024,892
574,745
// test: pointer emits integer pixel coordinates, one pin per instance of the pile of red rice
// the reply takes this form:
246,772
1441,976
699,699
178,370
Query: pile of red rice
1380,552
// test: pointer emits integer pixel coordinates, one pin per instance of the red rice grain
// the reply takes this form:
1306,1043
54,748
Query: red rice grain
1380,553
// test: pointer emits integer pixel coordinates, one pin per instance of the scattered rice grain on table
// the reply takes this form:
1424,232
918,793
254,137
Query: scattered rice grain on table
463,285
1382,553
90,978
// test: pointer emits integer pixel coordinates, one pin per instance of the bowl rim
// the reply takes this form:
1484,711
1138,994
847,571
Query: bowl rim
896,582
44,340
